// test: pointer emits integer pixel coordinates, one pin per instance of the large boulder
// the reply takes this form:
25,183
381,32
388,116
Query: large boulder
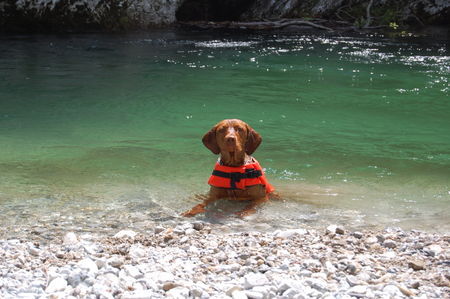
55,15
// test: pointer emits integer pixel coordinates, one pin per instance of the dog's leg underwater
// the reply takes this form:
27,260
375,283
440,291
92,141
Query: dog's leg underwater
250,208
200,208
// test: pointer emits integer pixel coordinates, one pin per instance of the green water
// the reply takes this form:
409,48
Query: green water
356,130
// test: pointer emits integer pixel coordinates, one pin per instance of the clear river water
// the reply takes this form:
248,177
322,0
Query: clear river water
103,132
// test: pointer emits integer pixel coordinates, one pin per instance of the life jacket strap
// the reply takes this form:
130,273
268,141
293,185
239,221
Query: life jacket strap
236,177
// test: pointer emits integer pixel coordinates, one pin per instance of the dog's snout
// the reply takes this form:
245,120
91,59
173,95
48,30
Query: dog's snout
230,136
230,139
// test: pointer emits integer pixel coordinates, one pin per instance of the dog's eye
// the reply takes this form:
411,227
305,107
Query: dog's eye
222,129
239,129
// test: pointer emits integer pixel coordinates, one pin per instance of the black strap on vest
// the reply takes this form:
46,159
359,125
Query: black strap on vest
236,177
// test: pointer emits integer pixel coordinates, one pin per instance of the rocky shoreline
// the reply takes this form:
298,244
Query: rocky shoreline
125,15
202,260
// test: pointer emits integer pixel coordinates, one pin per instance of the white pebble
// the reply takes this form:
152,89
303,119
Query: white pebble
143,294
70,239
159,276
132,271
329,267
88,265
116,261
357,291
318,284
290,293
178,293
433,250
289,233
239,295
254,294
255,279
392,290
190,231
125,234
137,251
33,250
331,229
56,285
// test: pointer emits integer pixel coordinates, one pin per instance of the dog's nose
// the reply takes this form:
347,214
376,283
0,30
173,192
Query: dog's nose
230,139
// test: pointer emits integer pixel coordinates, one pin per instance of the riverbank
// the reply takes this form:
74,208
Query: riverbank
120,15
202,260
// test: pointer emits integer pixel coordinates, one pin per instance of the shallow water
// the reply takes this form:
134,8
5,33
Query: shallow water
103,131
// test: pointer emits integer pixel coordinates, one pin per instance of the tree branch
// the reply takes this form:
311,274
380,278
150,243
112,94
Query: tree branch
257,25
368,17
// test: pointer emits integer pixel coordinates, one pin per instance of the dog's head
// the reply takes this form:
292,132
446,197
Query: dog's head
232,138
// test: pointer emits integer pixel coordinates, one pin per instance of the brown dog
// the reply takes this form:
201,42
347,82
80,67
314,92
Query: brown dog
237,175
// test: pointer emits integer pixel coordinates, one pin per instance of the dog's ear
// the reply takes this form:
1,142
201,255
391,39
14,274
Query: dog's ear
210,141
253,141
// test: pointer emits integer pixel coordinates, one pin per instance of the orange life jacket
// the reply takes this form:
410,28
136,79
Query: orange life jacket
239,177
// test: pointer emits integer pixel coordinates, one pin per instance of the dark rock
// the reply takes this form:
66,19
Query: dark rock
62,15
415,285
169,285
381,238
340,230
357,235
198,225
352,268
389,244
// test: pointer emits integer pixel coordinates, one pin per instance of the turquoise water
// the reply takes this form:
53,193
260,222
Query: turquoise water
356,130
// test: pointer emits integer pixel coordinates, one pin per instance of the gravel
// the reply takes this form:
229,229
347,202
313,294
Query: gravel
203,260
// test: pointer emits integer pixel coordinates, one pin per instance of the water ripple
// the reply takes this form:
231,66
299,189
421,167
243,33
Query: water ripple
225,44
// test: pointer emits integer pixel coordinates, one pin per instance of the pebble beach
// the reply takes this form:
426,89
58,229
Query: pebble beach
204,260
